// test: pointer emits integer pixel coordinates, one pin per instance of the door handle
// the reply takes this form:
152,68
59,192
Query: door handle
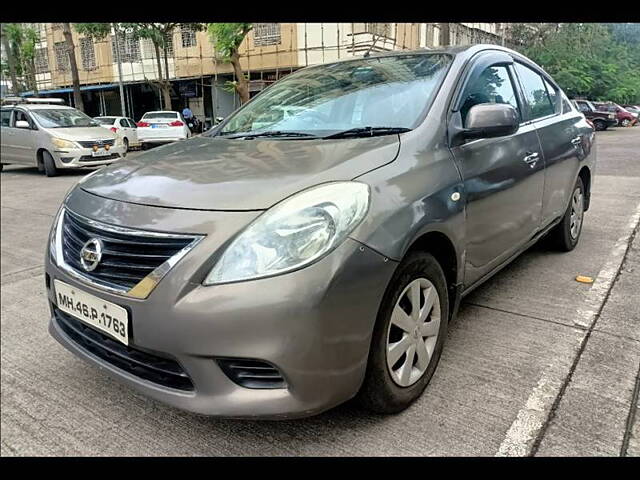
531,159
576,141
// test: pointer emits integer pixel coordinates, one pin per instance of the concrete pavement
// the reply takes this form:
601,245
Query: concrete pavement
536,363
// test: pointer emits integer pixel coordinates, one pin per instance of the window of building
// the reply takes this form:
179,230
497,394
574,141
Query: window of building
42,60
266,34
62,57
188,35
540,104
88,54
129,48
492,86
381,29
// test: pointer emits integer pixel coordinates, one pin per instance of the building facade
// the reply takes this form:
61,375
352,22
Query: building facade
199,78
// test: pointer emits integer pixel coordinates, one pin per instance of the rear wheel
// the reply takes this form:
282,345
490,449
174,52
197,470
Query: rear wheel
408,336
126,147
600,125
566,234
49,164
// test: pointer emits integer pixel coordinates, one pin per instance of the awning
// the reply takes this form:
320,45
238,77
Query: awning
69,90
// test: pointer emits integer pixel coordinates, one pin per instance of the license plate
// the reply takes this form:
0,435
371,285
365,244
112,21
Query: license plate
100,153
105,316
158,125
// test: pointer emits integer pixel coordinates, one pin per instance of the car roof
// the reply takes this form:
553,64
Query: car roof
161,111
38,106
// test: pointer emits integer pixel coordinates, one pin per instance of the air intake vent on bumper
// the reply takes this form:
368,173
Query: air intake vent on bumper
252,373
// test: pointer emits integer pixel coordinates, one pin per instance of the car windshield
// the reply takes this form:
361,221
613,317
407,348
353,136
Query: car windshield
105,120
160,115
62,118
383,93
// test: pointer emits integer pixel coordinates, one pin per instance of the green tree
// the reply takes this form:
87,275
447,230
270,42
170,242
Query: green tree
597,61
20,41
227,38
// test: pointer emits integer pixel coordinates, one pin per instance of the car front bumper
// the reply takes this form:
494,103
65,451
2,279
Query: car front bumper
314,325
83,157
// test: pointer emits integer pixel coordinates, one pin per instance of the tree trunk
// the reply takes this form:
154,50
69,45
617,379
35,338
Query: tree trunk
166,96
15,87
242,85
167,84
71,50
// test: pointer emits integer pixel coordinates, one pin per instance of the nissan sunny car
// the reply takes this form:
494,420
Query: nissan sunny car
315,245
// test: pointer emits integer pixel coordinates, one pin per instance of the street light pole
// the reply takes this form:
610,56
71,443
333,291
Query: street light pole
122,105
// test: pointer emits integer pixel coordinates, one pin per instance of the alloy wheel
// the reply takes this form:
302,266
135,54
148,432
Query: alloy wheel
577,212
413,332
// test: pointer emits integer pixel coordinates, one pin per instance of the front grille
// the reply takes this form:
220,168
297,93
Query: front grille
252,373
128,256
160,370
89,158
99,143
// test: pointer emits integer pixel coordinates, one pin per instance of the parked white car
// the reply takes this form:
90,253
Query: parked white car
162,127
123,127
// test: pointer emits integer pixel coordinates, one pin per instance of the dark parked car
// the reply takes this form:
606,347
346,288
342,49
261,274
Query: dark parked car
602,119
316,245
623,116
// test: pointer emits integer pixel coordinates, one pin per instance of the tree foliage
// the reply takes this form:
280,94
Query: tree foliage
21,41
227,38
596,61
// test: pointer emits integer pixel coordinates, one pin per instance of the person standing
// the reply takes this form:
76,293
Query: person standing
187,113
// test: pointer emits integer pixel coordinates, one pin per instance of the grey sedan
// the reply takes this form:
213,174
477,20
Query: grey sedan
314,246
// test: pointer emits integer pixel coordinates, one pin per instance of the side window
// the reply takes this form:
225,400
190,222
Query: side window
132,124
583,107
20,115
492,86
6,117
554,96
566,104
123,123
535,92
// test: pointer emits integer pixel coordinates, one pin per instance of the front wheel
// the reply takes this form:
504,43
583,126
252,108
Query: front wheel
566,234
50,169
625,122
600,125
408,335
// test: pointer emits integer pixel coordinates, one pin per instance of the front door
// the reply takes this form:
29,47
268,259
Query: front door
503,178
22,140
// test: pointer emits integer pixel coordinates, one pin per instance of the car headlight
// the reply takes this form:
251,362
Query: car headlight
62,143
53,236
294,233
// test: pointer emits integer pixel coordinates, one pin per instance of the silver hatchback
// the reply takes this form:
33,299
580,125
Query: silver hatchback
54,137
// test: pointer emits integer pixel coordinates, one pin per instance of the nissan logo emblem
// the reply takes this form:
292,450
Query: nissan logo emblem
91,254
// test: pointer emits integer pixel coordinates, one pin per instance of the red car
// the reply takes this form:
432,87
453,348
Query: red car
624,117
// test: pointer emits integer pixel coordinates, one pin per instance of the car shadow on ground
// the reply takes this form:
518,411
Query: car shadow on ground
33,171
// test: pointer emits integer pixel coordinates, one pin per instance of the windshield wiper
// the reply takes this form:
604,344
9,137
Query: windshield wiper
272,133
368,132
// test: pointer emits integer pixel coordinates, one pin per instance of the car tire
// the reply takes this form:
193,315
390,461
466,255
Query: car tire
625,122
566,235
126,147
1,166
50,169
600,125
382,391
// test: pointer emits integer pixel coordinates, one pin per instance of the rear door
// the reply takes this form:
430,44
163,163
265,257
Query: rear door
503,176
561,133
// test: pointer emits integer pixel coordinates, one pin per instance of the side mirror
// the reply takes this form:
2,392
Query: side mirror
488,120
23,124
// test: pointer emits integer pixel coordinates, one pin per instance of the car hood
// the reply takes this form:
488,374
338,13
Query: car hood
82,133
213,173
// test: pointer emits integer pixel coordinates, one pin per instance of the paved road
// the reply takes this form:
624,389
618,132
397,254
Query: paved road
536,363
